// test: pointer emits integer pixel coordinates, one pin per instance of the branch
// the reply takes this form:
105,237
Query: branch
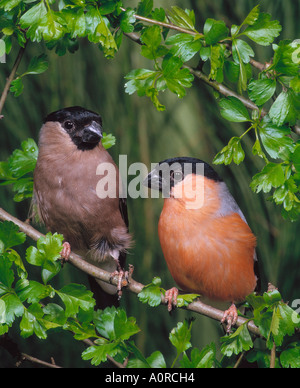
133,285
224,90
11,77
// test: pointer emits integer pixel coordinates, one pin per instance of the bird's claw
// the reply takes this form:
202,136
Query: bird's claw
65,253
171,298
230,317
123,277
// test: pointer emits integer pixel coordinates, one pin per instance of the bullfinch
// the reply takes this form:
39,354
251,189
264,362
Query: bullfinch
206,241
66,198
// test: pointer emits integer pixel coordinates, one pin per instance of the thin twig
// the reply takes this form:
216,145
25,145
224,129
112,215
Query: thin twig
11,77
167,25
134,286
273,357
38,361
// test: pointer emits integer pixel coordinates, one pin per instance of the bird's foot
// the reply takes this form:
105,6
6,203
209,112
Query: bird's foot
230,317
171,298
123,277
65,253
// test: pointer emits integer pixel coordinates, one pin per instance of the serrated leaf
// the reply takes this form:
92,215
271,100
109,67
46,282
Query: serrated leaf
285,54
151,294
275,139
260,91
252,16
14,307
181,18
263,31
76,296
214,31
108,140
290,358
286,108
37,65
145,7
200,359
98,354
32,322
241,51
127,20
232,152
237,342
10,235
32,291
180,336
185,46
23,161
6,275
272,175
233,109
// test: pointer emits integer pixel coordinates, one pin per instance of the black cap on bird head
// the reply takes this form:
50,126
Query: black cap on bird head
168,172
83,126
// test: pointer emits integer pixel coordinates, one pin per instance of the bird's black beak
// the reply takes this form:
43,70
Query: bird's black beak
154,180
92,133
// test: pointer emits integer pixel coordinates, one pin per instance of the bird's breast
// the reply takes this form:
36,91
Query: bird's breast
212,256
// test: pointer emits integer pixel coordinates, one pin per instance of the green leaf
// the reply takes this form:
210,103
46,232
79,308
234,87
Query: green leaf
139,81
290,358
37,65
2,312
137,360
200,359
284,58
237,342
181,18
151,37
151,293
32,322
214,31
76,296
32,291
108,140
98,354
34,15
46,255
17,86
296,158
114,324
75,21
185,46
233,109
272,175
275,139
286,108
260,91
23,161
6,275
104,37
14,307
232,152
180,336
176,79
241,51
145,7
263,31
10,235
186,299
127,20
252,16
217,56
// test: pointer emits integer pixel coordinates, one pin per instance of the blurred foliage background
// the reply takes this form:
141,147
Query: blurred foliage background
191,127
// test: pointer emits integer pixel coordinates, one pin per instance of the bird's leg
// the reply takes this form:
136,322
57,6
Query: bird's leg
230,317
65,253
171,298
122,275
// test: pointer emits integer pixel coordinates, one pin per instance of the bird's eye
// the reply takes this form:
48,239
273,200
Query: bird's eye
68,125
177,176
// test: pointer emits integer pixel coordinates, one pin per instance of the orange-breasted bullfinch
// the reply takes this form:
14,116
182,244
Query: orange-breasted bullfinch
208,246
66,199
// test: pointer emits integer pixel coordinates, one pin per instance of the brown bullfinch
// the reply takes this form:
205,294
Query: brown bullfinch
66,198
208,246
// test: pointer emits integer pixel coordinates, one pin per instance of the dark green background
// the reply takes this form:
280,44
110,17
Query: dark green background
191,126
